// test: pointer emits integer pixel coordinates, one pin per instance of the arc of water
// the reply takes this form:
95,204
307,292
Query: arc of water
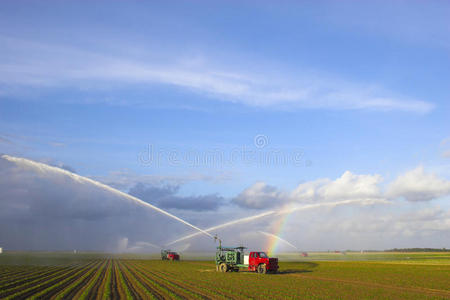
284,211
46,168
278,238
243,220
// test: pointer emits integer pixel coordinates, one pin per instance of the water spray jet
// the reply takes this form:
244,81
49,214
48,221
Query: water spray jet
278,238
43,168
283,212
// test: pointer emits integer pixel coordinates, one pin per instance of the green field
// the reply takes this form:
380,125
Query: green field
319,276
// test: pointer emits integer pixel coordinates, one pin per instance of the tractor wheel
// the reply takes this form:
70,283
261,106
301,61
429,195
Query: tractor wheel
261,269
223,267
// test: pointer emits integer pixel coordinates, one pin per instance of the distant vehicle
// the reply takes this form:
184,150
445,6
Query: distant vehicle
304,254
1,250
231,259
169,255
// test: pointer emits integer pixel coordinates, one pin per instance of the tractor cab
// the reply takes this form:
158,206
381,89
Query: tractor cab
169,255
261,262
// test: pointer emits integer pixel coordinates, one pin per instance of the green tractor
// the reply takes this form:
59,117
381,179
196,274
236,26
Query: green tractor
229,259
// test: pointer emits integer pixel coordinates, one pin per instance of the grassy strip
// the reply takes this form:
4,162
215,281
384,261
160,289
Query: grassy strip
45,284
62,284
139,288
76,284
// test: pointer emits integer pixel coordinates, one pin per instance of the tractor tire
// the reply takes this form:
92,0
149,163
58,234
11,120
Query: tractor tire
261,269
223,267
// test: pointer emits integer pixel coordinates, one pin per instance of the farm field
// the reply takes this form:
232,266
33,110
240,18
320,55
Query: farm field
96,276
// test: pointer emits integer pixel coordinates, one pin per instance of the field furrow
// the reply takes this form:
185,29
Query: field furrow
189,291
150,288
11,273
30,278
132,278
78,285
22,292
206,285
114,284
92,288
205,290
130,283
58,287
32,284
18,275
124,291
160,285
104,291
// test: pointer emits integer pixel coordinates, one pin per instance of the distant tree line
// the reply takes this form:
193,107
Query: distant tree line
418,250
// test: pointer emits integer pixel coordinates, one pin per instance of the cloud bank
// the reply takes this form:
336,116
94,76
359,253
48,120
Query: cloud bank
414,186
44,210
166,197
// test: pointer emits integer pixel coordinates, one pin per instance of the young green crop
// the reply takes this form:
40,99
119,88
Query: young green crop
381,276
107,283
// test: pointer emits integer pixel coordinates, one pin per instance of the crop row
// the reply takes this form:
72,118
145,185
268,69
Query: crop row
146,279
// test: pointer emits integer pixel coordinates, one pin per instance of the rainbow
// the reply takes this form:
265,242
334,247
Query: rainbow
276,230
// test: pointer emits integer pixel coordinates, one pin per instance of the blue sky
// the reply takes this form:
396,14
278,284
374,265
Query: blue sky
329,86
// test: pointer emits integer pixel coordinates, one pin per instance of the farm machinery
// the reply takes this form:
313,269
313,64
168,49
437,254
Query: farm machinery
231,259
169,255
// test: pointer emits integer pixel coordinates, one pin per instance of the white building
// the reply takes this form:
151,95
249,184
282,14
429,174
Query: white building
1,250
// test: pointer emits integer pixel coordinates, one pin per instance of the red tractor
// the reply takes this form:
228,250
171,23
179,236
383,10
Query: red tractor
169,255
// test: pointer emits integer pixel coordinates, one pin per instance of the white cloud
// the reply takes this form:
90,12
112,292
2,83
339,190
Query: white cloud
40,65
382,228
260,195
348,186
416,185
